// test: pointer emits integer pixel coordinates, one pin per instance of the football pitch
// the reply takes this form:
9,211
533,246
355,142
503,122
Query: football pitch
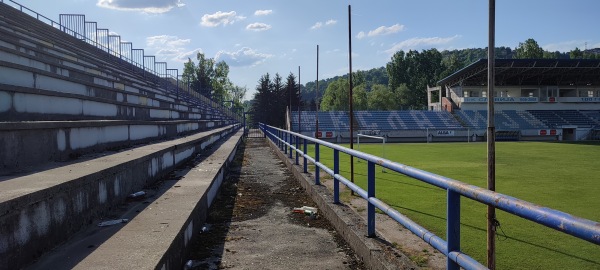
562,176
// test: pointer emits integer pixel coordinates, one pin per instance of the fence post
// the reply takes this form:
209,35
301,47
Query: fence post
285,138
371,194
280,139
297,147
453,227
305,153
317,169
336,170
291,141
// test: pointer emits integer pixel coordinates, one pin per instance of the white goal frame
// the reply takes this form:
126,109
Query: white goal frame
372,137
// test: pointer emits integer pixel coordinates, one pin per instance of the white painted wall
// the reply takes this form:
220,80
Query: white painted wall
5,101
94,108
30,103
86,137
16,77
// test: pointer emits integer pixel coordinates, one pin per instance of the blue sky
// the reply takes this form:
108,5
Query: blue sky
256,37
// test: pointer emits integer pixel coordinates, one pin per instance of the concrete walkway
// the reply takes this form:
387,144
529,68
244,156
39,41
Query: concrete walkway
251,225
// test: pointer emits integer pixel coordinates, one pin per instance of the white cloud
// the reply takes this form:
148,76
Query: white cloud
381,31
416,43
245,57
146,6
318,25
258,27
171,48
263,12
183,57
165,41
220,18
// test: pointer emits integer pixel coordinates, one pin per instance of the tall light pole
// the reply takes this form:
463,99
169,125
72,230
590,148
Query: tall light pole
299,100
317,97
350,94
491,139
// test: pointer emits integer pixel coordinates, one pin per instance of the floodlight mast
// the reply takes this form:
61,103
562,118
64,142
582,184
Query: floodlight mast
299,101
317,98
350,94
491,140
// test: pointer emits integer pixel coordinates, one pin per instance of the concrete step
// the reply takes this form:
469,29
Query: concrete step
158,237
25,145
40,210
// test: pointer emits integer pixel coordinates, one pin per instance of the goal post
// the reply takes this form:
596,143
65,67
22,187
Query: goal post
372,137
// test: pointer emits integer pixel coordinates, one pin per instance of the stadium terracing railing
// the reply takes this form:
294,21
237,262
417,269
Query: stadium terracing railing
563,222
75,23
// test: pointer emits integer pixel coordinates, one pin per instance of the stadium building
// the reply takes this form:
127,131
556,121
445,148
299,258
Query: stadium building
536,99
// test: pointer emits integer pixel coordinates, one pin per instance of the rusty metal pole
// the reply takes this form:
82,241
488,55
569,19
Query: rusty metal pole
350,95
491,140
317,96
299,102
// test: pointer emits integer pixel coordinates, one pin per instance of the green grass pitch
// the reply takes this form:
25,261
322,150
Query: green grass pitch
562,176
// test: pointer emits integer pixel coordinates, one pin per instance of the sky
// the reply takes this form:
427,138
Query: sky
267,36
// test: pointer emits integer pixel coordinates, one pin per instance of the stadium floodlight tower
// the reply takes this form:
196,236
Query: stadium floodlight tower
491,139
317,98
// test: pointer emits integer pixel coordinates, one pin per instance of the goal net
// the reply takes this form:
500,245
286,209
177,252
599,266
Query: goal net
382,139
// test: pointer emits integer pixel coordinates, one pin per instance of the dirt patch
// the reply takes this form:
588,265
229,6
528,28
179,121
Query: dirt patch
251,224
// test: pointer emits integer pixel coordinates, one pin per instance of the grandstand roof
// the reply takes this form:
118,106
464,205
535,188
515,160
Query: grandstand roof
529,72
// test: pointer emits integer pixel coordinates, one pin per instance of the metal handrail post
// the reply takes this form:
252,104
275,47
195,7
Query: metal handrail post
317,169
453,228
291,142
305,142
297,153
371,194
336,171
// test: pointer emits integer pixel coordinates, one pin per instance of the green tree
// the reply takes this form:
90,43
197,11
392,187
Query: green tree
205,73
220,82
189,74
416,71
360,98
292,90
277,103
336,96
529,50
576,54
404,96
381,98
262,100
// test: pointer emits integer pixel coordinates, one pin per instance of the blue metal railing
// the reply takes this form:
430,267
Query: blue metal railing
289,141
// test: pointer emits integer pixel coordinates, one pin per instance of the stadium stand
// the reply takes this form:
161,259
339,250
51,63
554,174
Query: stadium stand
594,116
377,120
332,121
81,128
557,118
505,119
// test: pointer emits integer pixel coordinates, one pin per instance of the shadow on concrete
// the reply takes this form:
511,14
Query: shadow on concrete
84,242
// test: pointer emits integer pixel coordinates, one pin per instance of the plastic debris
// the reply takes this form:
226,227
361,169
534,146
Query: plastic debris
205,228
112,222
306,210
137,195
191,264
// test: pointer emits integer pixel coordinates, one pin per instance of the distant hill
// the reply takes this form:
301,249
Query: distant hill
463,56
